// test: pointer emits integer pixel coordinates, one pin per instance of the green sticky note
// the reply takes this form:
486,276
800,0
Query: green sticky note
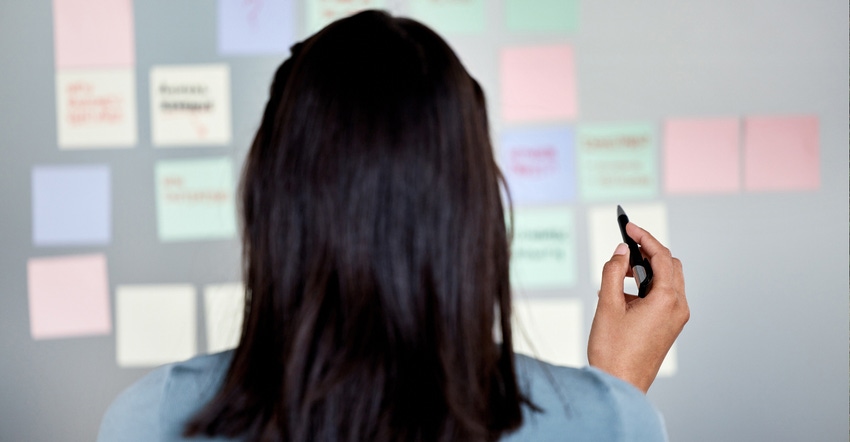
451,16
320,13
617,162
543,254
195,199
538,16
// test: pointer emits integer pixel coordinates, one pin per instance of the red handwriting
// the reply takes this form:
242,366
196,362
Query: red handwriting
254,7
618,142
86,106
173,181
534,160
197,196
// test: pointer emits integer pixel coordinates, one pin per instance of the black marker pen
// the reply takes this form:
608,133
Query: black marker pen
640,265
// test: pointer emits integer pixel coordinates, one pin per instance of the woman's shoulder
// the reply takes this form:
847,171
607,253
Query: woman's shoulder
584,404
156,407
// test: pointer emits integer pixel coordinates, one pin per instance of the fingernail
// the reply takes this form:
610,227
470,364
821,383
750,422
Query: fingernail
621,249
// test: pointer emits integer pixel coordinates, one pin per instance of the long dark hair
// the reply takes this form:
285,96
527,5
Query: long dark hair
375,251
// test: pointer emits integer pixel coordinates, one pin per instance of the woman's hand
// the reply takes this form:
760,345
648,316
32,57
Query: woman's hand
630,336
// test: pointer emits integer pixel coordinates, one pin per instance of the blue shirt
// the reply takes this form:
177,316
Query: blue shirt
577,404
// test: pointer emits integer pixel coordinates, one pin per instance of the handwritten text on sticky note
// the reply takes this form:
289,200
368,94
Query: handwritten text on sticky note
190,105
96,109
539,165
195,199
617,162
543,254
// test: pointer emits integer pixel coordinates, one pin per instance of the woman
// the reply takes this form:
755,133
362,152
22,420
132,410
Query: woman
376,271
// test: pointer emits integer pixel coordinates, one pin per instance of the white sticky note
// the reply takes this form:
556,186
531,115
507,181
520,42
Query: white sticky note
670,365
224,306
549,329
96,108
190,105
604,233
155,324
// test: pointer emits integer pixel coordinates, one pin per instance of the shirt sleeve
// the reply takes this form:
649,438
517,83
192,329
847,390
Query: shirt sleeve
638,419
134,415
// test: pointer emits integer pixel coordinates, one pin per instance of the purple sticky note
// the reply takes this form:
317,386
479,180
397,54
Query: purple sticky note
538,83
701,155
255,26
71,205
93,33
781,153
68,296
539,165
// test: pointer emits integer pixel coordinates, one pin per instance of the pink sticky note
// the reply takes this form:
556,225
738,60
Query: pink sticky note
781,153
93,33
538,84
701,155
68,296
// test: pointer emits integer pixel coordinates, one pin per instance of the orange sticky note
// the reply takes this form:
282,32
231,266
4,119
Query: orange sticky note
93,33
701,155
538,84
781,153
68,296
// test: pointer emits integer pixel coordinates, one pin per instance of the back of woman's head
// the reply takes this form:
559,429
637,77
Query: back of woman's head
375,250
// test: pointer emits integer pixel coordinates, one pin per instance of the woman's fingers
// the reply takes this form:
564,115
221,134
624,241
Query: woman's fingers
659,256
613,274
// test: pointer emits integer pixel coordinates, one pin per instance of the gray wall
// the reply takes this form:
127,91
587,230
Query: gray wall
765,354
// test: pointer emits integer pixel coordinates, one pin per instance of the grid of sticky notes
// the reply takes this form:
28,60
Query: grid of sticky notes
69,293
554,163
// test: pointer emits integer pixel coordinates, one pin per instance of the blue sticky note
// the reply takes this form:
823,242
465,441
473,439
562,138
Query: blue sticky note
71,205
251,27
539,165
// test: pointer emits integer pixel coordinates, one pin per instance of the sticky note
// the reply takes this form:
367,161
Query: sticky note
451,16
71,205
539,165
224,306
604,233
322,12
543,252
617,162
190,105
68,296
154,324
195,199
701,155
541,16
550,329
670,365
96,108
538,84
781,153
93,33
255,26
